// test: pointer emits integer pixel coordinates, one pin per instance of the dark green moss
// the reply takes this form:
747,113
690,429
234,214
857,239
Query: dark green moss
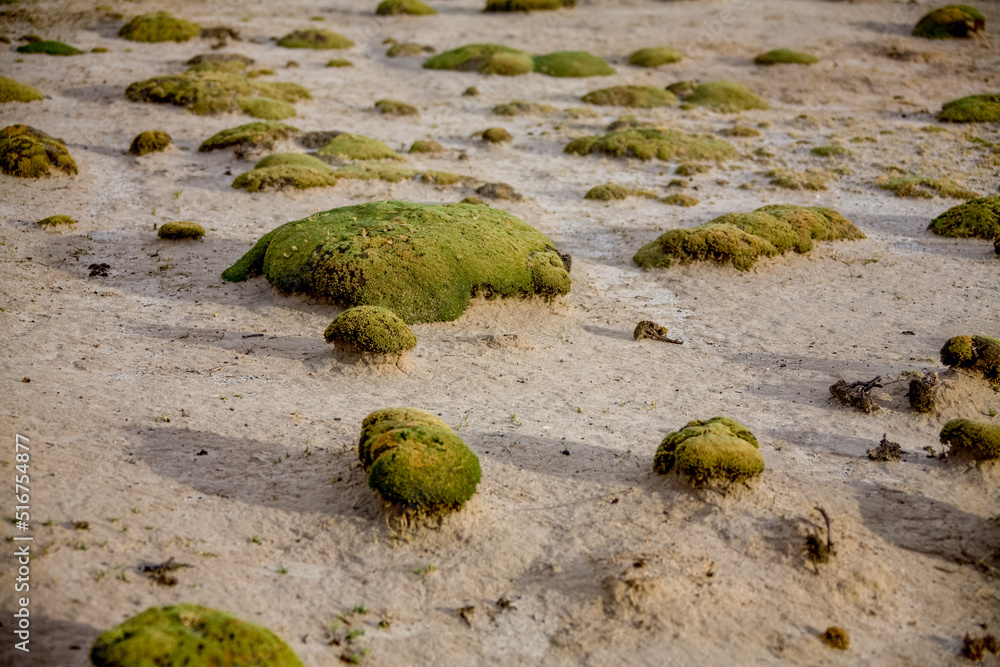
287,170
741,238
49,48
412,7
56,220
502,191
423,261
262,134
357,147
187,634
972,109
150,141
209,92
159,27
315,39
646,144
496,135
976,218
29,153
978,440
836,637
980,353
950,21
572,64
467,58
719,449
526,5
785,56
655,56
370,330
725,96
396,108
639,97
15,91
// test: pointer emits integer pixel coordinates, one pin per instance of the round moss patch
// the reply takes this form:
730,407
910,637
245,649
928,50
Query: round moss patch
980,353
411,7
29,153
785,56
259,134
370,329
56,220
950,21
979,440
655,56
719,449
395,108
180,230
315,39
15,91
468,58
572,64
150,141
725,96
972,109
506,64
976,218
210,91
49,48
496,135
425,146
266,108
357,147
159,27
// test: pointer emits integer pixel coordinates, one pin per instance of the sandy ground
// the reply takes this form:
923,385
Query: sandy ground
153,417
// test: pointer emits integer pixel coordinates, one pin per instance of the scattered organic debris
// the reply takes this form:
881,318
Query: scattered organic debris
652,330
976,648
836,637
99,270
886,451
922,393
162,573
978,440
817,549
860,394
951,21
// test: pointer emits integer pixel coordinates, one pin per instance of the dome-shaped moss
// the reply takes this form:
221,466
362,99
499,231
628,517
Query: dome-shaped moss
646,144
950,21
572,64
187,634
412,7
719,449
260,134
638,97
180,229
977,218
205,89
266,108
470,57
315,39
150,141
284,170
29,153
655,56
785,56
159,27
370,329
15,91
507,64
357,147
725,96
979,440
49,48
496,135
56,220
980,353
972,109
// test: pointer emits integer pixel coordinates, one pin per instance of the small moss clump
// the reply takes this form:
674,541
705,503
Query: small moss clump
980,353
572,64
741,238
797,180
357,147
266,108
638,97
526,5
785,56
411,7
416,462
181,229
680,199
978,440
426,146
262,134
159,27
612,191
972,109
187,634
725,96
950,21
468,58
507,64
49,48
441,177
15,91
742,131
29,153
519,107
837,638
210,91
287,170
655,56
496,135
422,261
315,39
829,151
646,144
691,168
976,218
381,171
396,108
56,220
923,187
370,330
719,449
406,49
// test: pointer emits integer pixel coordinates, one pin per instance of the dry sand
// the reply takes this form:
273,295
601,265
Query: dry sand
153,417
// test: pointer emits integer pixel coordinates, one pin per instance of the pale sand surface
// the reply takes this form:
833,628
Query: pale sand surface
604,561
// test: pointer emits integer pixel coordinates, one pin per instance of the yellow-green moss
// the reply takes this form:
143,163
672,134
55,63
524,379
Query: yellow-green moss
507,64
518,107
209,92
441,177
416,462
829,151
262,134
526,5
572,64
159,27
56,220
691,168
797,180
357,147
29,153
340,62
977,218
612,191
49,48
646,144
680,199
187,634
496,135
396,108
742,131
181,229
284,170
150,141
422,261
467,58
219,59
639,97
405,49
655,56
741,238
370,329
972,109
980,353
266,108
315,39
412,7
836,637
15,91
923,187
365,171
950,21
725,96
978,440
719,449
785,56
425,146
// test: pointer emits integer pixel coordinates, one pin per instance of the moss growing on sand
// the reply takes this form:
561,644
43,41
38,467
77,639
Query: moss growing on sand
187,634
785,56
49,48
370,330
980,353
829,151
950,21
468,58
422,261
315,39
836,637
287,170
29,153
381,171
507,64
797,180
719,449
15,91
655,56
646,144
209,92
56,221
972,109
742,131
181,229
416,462
150,141
526,5
502,191
519,107
266,108
496,135
406,49
725,96
357,147
262,134
159,27
741,238
691,168
340,62
441,177
426,146
923,187
572,64
612,191
680,199
396,108
978,440
411,7
638,97
976,218
219,58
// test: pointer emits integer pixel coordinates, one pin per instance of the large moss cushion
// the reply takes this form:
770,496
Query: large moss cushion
26,152
422,261
978,440
976,218
719,449
187,634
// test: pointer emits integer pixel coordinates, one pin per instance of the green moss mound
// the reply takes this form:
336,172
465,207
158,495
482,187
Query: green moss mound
923,187
260,134
725,96
315,39
15,91
187,634
719,449
266,108
396,108
950,21
29,153
978,440
507,64
159,27
977,218
411,7
56,220
526,5
520,107
180,229
150,141
208,92
637,97
646,144
785,56
357,147
613,191
404,49
742,131
572,64
655,56
381,171
980,353
340,62
496,135
680,199
742,238
426,146
972,109
370,329
797,180
829,151
287,170
441,177
422,261
836,637
468,58
415,461
49,48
